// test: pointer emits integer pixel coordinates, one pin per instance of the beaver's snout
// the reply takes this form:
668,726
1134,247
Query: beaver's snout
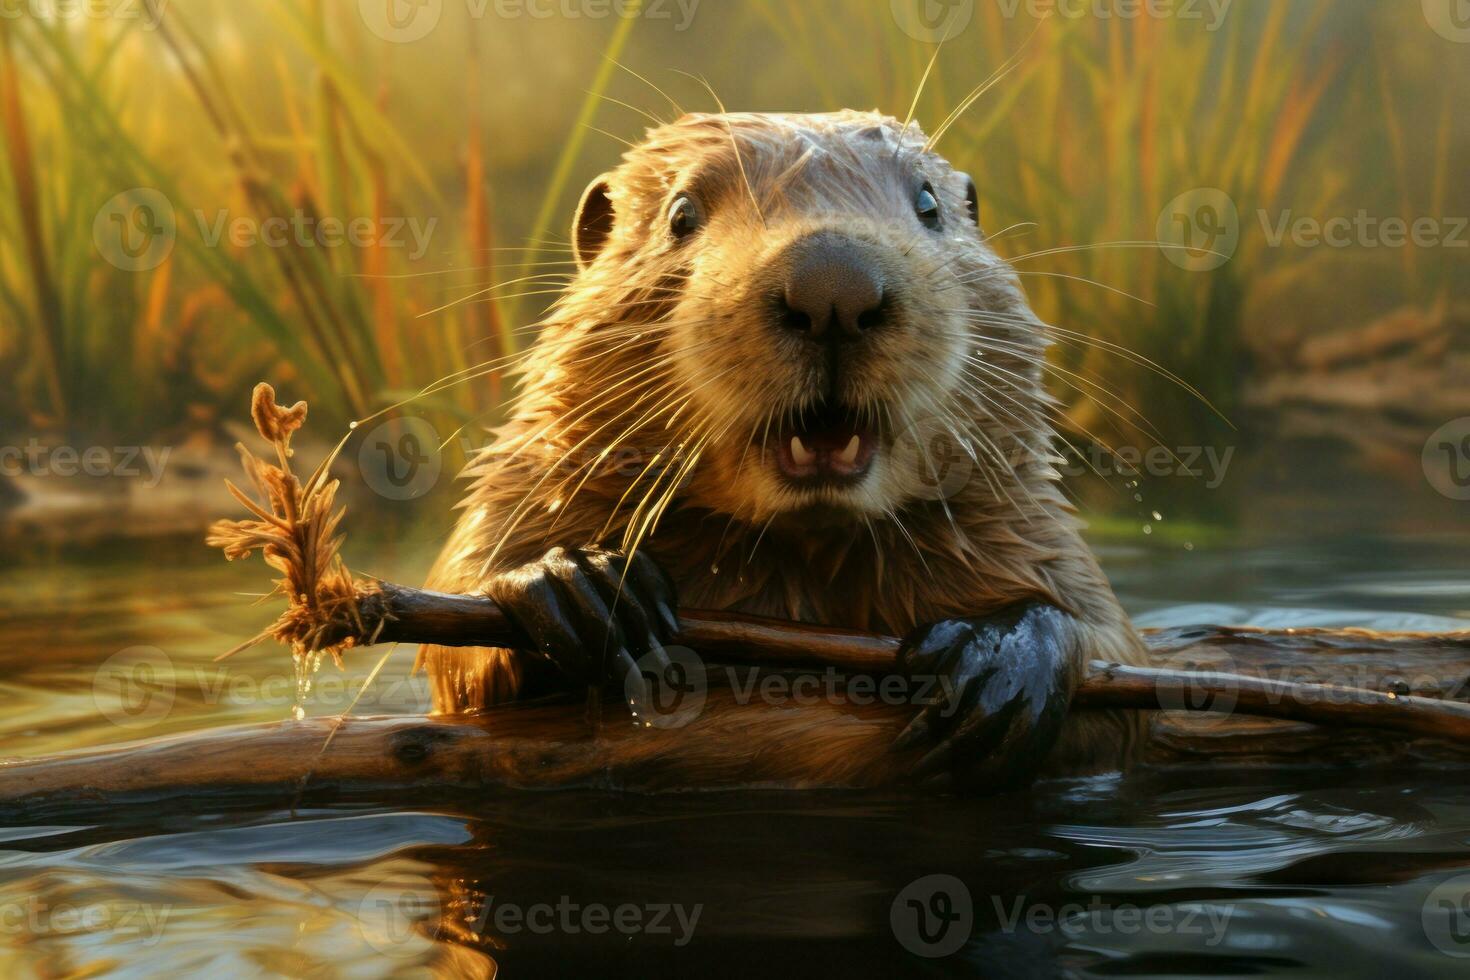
834,288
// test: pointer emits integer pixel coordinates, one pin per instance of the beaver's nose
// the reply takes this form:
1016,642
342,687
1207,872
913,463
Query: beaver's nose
834,290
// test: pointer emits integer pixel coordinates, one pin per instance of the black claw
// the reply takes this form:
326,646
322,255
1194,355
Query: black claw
593,615
1010,679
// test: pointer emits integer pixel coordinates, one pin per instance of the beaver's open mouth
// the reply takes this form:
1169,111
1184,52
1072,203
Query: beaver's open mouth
828,444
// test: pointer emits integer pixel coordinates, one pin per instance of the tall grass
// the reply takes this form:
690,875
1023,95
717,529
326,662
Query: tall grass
1099,125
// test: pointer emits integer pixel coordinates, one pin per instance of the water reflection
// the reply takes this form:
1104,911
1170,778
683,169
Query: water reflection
1145,875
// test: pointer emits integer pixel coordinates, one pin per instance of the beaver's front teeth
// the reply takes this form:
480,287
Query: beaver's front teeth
848,456
800,454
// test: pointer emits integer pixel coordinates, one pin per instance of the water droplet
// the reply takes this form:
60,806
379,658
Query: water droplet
351,425
1148,529
1158,516
1138,498
298,712
1189,546
714,569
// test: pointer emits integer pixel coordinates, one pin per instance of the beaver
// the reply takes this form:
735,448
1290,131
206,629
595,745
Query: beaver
770,312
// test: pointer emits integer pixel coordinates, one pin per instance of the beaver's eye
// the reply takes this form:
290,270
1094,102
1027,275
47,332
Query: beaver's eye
926,206
683,216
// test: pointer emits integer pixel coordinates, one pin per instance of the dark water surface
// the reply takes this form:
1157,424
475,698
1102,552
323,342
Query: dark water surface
1211,874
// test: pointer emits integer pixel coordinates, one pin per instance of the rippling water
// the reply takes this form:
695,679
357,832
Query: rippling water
1345,873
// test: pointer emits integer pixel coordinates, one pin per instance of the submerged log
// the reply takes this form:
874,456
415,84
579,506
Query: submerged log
1393,679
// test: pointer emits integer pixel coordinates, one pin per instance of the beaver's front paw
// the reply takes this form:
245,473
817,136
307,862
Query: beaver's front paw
1004,683
594,615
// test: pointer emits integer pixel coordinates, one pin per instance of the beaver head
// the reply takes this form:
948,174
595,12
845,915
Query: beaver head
786,312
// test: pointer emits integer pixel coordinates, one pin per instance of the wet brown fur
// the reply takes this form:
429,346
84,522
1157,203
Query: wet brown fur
646,408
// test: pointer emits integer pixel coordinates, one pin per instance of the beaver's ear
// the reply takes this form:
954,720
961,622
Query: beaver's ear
594,223
972,199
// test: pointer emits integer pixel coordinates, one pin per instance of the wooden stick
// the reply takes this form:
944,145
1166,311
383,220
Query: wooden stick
405,615
399,614
543,746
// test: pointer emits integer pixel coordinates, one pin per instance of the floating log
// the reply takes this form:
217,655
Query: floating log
552,745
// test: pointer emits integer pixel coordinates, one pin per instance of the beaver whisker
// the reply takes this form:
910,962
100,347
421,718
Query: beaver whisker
902,529
678,109
642,112
539,278
522,506
616,384
991,448
996,77
1070,249
997,236
1064,375
1150,431
590,465
1062,335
